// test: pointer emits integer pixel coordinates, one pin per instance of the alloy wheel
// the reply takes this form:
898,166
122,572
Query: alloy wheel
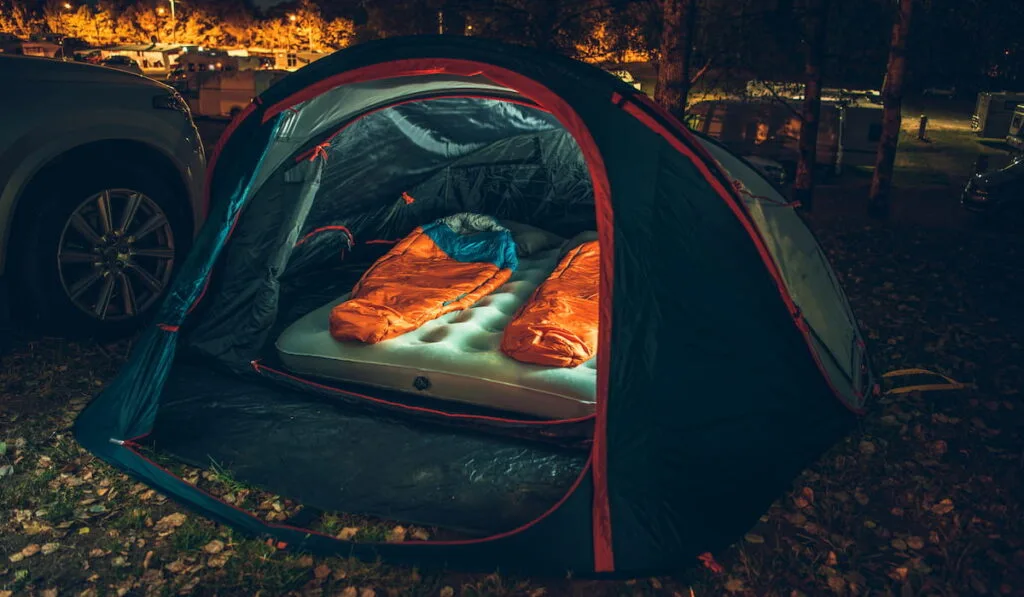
116,254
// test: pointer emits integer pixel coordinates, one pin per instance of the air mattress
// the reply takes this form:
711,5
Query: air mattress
557,326
439,268
455,357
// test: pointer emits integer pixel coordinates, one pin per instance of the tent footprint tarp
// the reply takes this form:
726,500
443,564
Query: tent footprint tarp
728,358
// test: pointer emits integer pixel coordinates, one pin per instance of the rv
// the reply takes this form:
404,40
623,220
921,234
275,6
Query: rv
993,113
848,132
222,94
1015,138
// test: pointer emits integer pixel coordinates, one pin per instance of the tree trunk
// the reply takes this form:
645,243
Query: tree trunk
453,21
892,98
544,24
810,115
677,27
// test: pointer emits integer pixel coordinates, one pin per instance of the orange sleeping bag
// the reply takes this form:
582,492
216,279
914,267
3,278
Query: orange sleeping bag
442,267
557,326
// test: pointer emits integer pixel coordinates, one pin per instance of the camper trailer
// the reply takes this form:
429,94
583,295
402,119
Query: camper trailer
848,133
993,113
1015,138
222,94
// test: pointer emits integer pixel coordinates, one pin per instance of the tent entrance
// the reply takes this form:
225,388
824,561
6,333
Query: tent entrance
318,223
328,215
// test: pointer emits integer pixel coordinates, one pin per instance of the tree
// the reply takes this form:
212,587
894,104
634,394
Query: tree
810,116
677,26
16,18
892,98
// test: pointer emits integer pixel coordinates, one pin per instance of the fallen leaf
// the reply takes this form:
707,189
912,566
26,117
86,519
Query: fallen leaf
30,550
943,507
48,593
304,562
899,574
735,585
915,542
176,567
397,535
710,563
837,584
11,593
445,592
347,533
867,448
899,544
167,524
322,571
83,531
215,546
831,560
754,538
5,470
146,561
218,561
97,553
16,557
34,527
367,592
49,548
349,592
420,535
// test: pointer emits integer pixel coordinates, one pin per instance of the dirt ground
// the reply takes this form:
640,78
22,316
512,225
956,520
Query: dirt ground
924,498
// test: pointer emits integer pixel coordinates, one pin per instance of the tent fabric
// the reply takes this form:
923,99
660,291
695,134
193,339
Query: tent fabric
728,358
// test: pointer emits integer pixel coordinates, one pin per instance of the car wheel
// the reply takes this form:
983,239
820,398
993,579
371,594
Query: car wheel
100,250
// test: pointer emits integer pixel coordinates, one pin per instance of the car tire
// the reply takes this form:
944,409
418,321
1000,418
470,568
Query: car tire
58,282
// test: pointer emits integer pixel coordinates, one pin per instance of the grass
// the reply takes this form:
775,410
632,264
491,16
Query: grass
923,499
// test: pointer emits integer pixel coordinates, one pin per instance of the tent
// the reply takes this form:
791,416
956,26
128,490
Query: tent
728,356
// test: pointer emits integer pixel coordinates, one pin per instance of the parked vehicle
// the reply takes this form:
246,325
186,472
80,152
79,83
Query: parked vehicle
1015,138
993,113
770,169
222,94
100,185
947,92
848,132
122,63
997,195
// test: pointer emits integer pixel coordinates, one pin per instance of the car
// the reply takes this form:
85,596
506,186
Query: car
997,195
770,169
947,92
101,179
122,63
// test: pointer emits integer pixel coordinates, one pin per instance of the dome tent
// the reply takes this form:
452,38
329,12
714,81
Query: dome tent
728,356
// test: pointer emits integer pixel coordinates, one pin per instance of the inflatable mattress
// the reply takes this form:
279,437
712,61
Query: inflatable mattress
455,357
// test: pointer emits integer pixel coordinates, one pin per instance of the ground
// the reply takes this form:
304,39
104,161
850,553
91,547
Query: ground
924,498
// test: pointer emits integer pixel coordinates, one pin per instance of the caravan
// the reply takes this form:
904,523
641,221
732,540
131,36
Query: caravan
1015,138
993,113
848,133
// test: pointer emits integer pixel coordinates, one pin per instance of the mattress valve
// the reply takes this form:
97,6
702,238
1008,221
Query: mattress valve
421,383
